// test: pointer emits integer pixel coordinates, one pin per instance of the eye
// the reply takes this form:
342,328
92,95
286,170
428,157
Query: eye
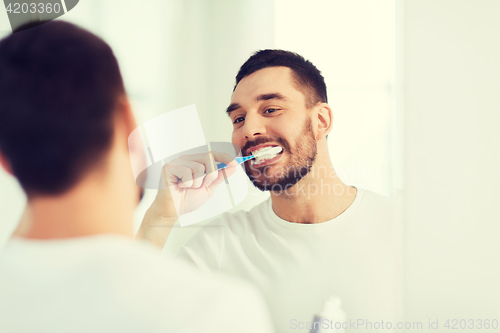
270,110
238,120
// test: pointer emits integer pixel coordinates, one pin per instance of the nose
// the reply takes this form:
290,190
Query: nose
253,127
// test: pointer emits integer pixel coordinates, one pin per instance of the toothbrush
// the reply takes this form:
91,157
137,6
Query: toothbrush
243,159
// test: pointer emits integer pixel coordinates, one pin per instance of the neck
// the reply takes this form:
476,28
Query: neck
318,197
98,204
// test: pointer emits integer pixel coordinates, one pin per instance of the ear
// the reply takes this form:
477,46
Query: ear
324,120
4,162
127,118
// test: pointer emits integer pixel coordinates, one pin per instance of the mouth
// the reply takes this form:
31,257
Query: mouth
264,158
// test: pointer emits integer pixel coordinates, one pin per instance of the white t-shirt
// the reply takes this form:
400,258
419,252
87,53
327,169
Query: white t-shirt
110,283
298,266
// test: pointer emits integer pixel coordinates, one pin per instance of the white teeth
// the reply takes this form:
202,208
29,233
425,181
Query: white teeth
266,153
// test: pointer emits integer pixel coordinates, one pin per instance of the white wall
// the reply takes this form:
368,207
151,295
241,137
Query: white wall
12,198
353,44
452,111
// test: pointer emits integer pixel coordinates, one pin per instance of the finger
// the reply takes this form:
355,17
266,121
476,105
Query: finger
215,155
197,170
198,158
198,164
209,178
175,172
198,176
208,163
221,176
231,170
224,158
186,178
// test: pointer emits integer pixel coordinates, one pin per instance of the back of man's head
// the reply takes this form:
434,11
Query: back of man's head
59,86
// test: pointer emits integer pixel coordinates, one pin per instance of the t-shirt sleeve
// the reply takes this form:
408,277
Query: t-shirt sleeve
205,248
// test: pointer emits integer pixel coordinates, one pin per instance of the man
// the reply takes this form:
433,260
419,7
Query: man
316,237
73,265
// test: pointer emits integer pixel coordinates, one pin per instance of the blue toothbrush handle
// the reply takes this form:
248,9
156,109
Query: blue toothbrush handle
221,166
238,159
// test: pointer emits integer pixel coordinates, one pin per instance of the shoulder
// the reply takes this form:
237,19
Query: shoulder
165,285
378,212
375,202
143,266
121,278
188,291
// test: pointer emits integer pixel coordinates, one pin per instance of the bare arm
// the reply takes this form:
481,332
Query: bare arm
155,227
159,218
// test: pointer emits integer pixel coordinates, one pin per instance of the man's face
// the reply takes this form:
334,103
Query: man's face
267,110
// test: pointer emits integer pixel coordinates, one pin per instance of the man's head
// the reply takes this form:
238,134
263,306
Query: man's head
61,98
306,77
280,100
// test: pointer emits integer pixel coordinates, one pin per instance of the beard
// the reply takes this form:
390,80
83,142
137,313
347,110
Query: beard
302,158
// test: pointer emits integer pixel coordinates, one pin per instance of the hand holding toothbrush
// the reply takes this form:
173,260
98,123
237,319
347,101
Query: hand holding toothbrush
186,184
190,181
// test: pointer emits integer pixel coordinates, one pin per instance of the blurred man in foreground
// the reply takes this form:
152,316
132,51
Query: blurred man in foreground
72,264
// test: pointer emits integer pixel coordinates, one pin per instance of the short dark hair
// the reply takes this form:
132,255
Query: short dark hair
59,87
307,77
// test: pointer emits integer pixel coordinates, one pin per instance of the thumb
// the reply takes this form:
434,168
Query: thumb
223,174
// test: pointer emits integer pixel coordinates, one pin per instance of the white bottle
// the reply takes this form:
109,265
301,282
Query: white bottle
331,318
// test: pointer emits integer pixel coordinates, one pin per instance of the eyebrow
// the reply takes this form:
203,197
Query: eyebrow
266,97
232,107
262,97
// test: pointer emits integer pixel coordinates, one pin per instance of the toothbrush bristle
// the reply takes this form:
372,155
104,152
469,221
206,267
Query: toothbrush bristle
274,150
